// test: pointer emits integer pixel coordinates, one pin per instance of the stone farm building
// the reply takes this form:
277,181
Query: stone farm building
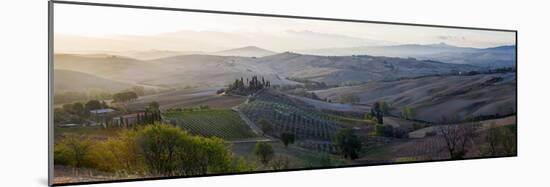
128,119
100,116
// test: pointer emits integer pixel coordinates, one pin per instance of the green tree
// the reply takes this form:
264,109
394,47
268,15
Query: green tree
384,130
74,149
93,105
79,110
509,142
264,152
139,90
494,138
384,107
119,155
265,126
348,143
280,162
408,113
378,112
288,138
501,140
68,108
158,145
153,106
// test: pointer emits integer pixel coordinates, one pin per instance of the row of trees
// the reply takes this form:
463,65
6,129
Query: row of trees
124,97
240,87
155,150
96,94
61,97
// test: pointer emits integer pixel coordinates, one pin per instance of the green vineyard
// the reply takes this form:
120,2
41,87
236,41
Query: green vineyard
222,123
287,116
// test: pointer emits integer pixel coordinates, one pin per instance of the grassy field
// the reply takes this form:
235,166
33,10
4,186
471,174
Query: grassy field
222,123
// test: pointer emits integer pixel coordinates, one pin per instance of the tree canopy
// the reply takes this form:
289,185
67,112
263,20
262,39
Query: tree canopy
348,143
288,138
124,96
264,152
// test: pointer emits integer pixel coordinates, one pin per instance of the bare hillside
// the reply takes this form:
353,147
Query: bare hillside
337,69
67,80
439,96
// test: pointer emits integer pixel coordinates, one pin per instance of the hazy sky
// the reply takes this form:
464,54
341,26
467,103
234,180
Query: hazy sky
81,28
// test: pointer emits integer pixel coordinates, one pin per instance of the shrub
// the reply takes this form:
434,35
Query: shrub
264,152
288,138
265,126
348,143
156,150
118,154
73,150
384,130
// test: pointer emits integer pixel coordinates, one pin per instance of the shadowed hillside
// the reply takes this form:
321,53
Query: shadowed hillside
67,80
439,96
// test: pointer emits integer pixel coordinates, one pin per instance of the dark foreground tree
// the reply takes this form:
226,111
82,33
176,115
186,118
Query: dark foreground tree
288,138
264,152
378,111
501,140
265,126
348,143
457,138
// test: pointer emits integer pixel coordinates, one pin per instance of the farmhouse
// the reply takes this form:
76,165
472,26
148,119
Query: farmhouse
100,116
102,111
128,119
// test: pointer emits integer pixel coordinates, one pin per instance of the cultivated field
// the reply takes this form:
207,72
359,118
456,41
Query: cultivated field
221,123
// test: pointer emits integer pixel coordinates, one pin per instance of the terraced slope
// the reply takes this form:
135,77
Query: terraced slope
222,123
287,116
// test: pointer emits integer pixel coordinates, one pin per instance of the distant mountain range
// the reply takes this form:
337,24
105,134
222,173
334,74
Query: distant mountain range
502,56
248,51
495,57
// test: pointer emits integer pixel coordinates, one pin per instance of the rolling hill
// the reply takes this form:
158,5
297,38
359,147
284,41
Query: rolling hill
501,56
110,67
338,69
439,96
218,71
67,80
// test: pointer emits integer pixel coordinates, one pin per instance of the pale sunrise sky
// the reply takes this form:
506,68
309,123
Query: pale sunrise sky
81,28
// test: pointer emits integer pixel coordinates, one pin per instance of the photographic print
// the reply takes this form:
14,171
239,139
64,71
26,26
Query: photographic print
145,93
